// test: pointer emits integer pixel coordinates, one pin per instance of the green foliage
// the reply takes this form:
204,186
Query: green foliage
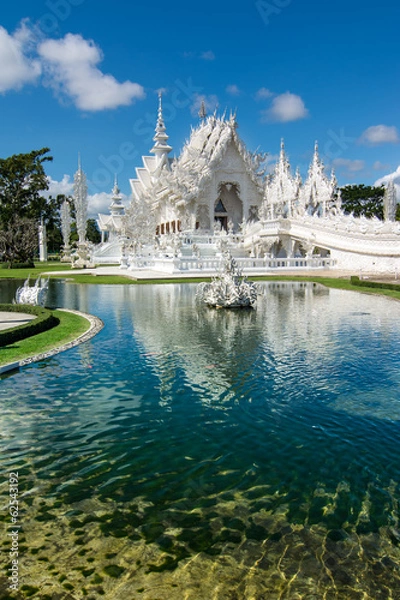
92,232
22,178
363,200
22,205
16,266
380,285
45,320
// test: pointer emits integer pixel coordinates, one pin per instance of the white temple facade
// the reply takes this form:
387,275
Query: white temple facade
214,181
185,212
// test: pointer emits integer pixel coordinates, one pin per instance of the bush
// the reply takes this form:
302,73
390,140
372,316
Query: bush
354,280
45,320
8,265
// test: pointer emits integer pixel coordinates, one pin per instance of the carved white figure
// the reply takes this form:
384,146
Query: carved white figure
230,289
35,295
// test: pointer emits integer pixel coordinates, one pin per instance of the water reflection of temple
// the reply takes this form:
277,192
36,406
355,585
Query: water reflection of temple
212,348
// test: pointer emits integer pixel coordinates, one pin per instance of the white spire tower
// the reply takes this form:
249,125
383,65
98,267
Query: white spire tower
281,190
80,201
116,206
317,192
390,201
161,147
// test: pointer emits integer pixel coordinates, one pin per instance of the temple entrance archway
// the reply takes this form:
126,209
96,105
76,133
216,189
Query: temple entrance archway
228,208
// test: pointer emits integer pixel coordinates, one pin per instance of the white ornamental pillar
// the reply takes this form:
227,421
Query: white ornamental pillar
42,242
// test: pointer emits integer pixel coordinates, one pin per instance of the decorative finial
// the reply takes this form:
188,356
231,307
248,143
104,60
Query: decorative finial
202,111
116,188
160,105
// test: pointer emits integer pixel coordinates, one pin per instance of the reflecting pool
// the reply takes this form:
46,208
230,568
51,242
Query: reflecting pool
186,453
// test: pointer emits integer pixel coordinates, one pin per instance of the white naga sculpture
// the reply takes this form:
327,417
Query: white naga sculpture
35,295
230,289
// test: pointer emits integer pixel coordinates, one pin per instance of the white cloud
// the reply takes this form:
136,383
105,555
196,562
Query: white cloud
233,90
379,134
352,166
70,64
97,203
285,107
378,166
100,203
263,93
208,55
17,66
211,103
65,186
395,176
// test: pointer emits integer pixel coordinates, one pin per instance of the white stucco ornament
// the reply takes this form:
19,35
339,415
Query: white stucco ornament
230,289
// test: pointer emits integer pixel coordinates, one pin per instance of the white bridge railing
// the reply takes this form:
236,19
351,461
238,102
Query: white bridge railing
212,264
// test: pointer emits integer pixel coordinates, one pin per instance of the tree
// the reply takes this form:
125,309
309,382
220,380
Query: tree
92,231
19,240
363,200
22,179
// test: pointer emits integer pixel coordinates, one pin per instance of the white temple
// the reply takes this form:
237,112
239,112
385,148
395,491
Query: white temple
186,212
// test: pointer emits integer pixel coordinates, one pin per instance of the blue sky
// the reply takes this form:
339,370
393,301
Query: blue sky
83,75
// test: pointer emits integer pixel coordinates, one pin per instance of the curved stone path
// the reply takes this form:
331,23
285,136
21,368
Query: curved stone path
95,325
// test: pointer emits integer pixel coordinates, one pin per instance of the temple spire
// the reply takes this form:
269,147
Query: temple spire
116,207
202,111
161,147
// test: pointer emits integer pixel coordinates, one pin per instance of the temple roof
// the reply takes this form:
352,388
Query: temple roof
185,177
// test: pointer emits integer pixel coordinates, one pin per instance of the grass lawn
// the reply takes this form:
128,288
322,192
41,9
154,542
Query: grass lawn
35,272
71,326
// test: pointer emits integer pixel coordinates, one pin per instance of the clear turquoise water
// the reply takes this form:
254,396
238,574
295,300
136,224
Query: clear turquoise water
191,453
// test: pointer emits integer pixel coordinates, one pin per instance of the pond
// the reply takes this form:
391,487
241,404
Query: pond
192,453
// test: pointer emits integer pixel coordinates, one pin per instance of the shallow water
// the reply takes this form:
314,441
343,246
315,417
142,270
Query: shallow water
189,453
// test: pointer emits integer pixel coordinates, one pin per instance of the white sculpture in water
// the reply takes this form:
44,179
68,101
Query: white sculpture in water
35,295
230,289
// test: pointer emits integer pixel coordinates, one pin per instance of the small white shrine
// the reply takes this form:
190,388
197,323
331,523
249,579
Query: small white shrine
185,213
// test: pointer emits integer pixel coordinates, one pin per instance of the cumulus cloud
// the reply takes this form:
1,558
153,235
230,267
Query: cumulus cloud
65,186
233,90
98,202
379,134
210,102
285,107
263,94
352,166
395,176
70,64
17,65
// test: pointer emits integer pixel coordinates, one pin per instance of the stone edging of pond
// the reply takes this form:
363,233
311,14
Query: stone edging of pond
95,326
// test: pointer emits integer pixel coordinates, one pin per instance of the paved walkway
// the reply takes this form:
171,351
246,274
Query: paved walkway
142,274
13,319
